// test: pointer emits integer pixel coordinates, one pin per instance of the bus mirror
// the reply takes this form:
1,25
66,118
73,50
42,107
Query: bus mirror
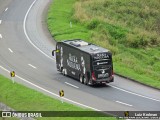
53,52
57,50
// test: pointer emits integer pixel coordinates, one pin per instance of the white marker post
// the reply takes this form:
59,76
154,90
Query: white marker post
12,79
70,24
61,99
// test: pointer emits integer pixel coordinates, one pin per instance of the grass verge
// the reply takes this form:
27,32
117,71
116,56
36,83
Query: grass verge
135,45
21,98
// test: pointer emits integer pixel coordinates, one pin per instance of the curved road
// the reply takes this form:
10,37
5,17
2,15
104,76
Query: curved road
25,47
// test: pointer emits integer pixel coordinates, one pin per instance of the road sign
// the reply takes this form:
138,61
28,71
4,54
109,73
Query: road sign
61,93
126,113
12,74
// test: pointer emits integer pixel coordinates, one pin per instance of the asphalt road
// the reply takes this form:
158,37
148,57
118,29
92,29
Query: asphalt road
25,47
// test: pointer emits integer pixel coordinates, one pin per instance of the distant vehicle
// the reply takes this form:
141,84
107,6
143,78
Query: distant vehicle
89,63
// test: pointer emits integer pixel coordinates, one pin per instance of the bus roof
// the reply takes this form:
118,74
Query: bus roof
85,46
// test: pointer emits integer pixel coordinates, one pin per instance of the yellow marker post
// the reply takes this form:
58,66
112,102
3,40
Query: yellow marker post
13,74
61,94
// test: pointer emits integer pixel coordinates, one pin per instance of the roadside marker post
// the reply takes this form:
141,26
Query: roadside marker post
126,113
61,94
70,24
12,73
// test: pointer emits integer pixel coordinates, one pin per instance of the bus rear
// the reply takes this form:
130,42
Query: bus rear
102,68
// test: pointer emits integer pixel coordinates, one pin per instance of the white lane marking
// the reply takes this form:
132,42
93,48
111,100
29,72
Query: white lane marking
124,103
0,35
6,9
4,69
10,50
134,93
0,21
24,27
71,85
57,95
32,66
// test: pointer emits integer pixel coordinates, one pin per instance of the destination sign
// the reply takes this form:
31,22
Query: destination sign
99,56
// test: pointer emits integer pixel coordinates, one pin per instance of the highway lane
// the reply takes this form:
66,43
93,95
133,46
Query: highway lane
32,65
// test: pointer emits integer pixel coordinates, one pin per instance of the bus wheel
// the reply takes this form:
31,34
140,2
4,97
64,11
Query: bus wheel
63,72
85,80
61,69
81,78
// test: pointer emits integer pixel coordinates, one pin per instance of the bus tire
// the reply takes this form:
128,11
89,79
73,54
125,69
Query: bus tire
85,79
64,72
61,69
81,79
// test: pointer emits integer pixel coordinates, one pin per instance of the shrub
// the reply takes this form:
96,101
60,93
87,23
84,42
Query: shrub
131,41
143,39
93,24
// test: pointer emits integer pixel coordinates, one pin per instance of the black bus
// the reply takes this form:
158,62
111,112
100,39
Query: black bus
89,63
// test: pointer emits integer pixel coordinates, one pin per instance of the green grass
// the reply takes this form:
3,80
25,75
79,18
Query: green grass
21,98
63,29
129,28
9,119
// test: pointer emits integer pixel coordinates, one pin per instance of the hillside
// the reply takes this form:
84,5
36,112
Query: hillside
129,28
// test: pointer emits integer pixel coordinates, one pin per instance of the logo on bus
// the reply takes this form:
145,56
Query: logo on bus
72,62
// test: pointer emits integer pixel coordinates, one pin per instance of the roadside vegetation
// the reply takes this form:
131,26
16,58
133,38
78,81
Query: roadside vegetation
20,98
129,28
